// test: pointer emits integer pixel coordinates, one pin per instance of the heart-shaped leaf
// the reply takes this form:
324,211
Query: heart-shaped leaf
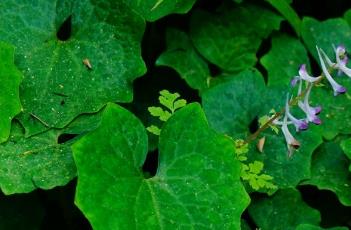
197,183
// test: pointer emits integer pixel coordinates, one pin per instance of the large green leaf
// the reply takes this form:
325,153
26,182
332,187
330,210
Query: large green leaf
10,78
231,107
181,56
230,38
285,210
57,86
325,34
330,171
283,60
288,12
152,10
197,184
20,212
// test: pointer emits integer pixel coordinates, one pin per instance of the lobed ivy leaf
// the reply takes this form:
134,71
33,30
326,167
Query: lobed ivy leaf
240,36
10,78
346,147
330,171
182,57
283,59
153,10
284,210
232,106
197,183
57,85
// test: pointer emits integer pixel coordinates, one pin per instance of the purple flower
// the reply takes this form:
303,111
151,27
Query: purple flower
338,89
311,112
291,142
342,60
299,124
303,75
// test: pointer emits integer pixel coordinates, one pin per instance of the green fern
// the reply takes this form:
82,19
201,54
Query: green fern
171,102
252,172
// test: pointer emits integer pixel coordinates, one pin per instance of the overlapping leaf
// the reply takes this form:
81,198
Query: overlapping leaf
197,183
230,38
285,210
58,85
181,56
330,171
314,227
152,10
10,79
232,106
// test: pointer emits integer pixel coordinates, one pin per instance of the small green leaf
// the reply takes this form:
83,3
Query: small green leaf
256,167
179,104
10,79
154,129
167,99
194,186
159,112
284,210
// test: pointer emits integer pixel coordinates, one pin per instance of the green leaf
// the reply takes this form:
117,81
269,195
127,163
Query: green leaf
183,58
107,34
21,212
41,161
288,12
284,210
336,115
35,162
195,185
330,171
284,59
10,79
154,129
314,227
324,34
153,10
232,106
230,38
159,112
